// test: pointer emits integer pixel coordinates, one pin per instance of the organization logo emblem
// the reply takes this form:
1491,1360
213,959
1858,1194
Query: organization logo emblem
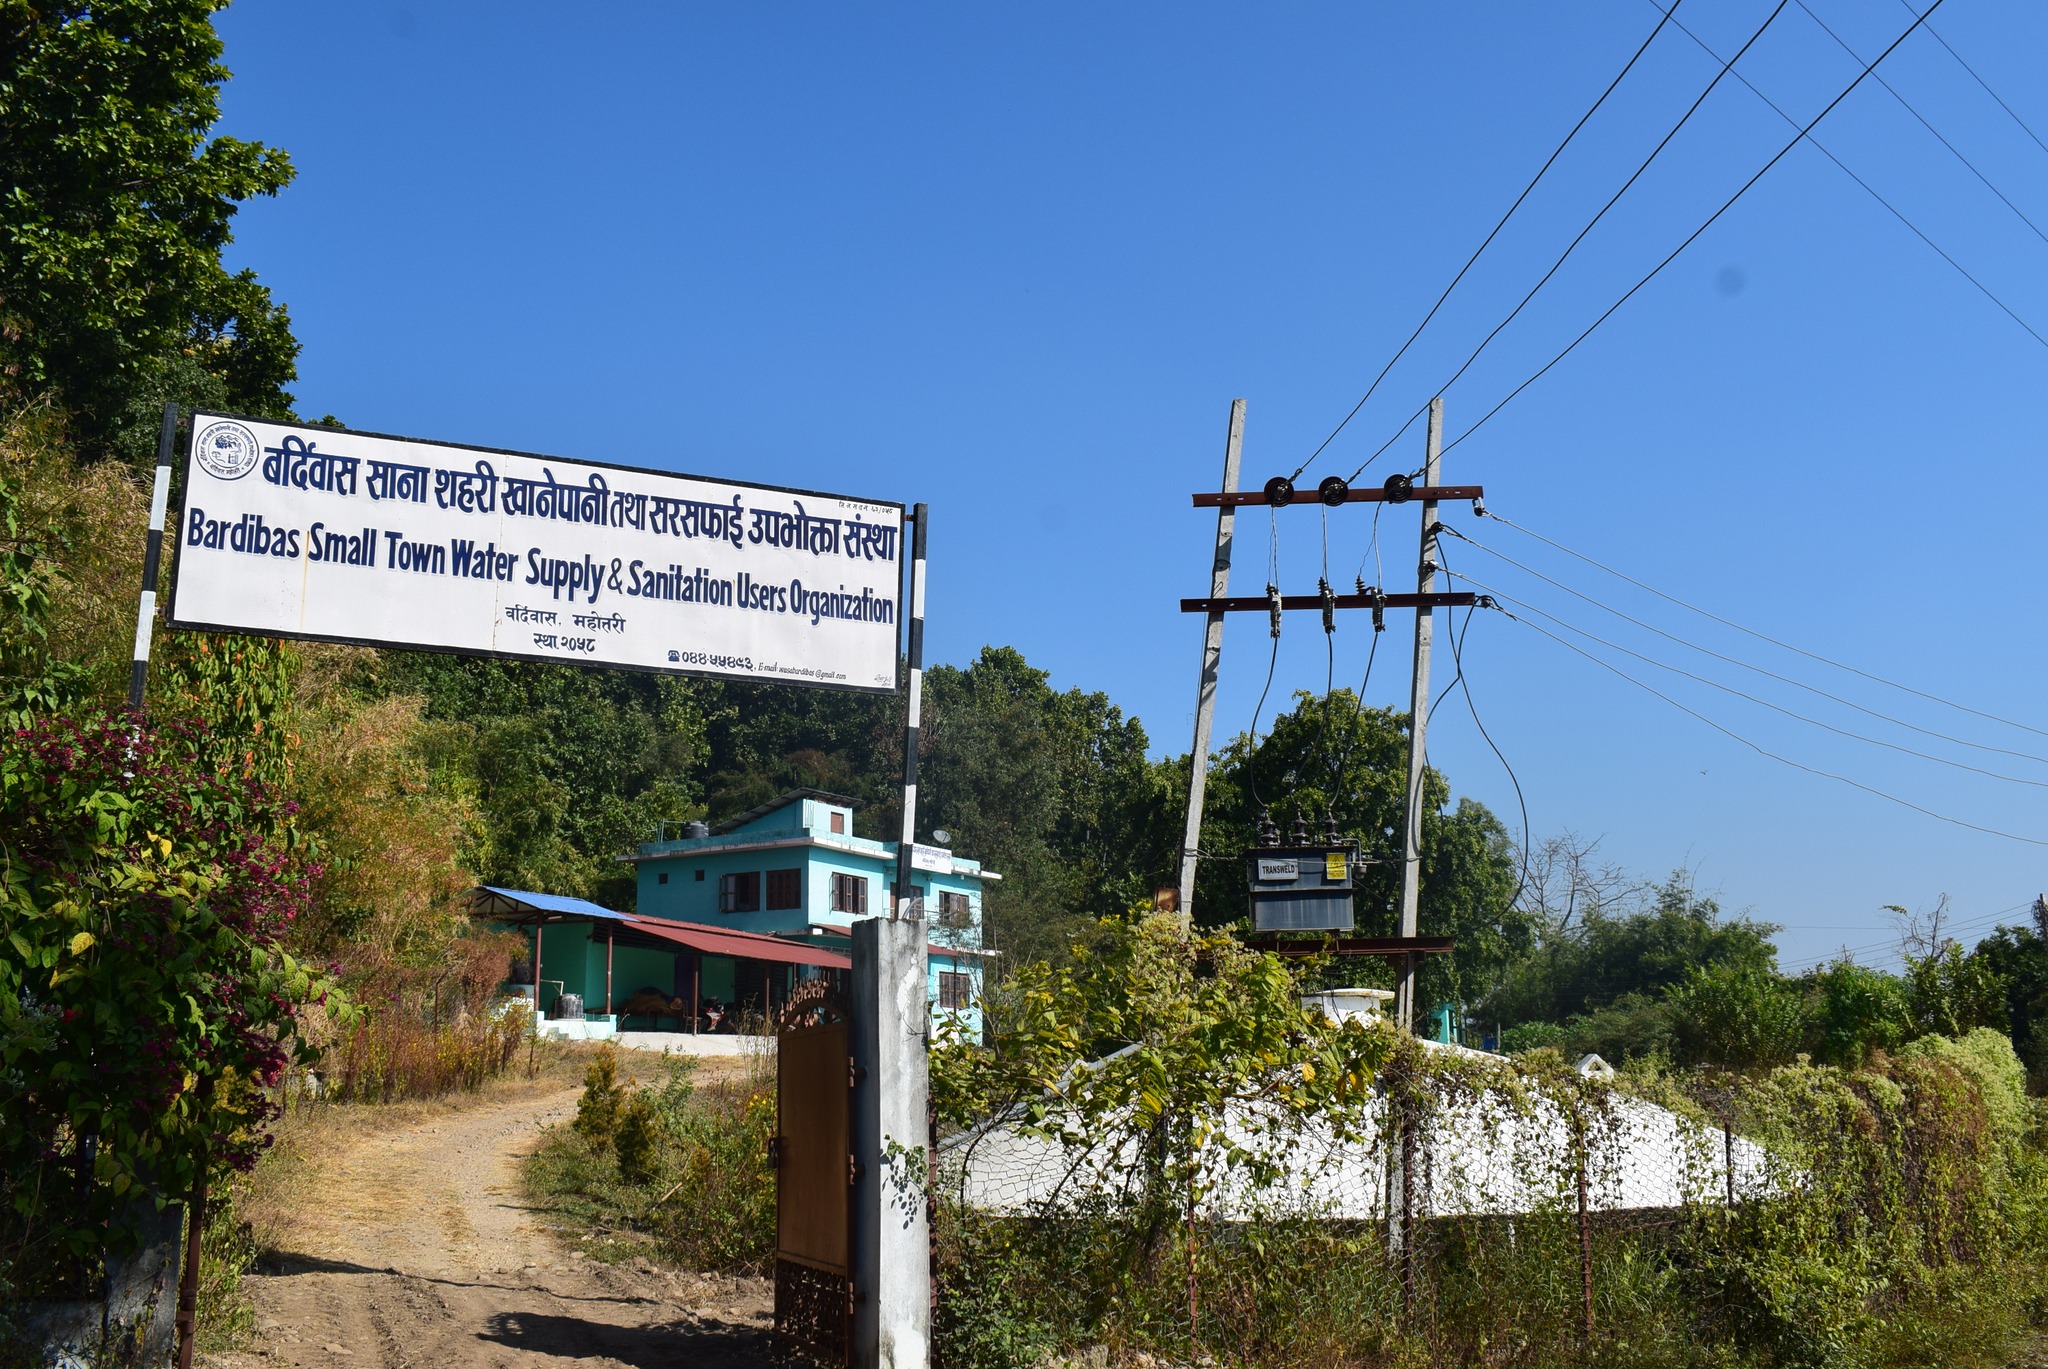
226,451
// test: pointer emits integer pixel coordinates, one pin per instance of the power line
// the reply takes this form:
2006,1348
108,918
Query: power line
1469,262
1694,235
1737,661
1458,656
1634,176
1751,698
1981,81
1982,921
1762,751
1763,637
1868,188
1908,106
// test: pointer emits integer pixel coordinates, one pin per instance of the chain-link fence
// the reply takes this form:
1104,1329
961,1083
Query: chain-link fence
1481,1210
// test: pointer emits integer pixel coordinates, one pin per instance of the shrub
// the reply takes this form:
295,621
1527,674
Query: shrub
603,1102
685,1168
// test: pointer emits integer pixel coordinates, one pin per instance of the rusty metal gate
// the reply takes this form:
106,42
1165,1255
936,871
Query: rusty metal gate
813,1174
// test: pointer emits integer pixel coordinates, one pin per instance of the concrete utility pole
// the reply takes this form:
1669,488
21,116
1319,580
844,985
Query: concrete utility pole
1418,714
1212,657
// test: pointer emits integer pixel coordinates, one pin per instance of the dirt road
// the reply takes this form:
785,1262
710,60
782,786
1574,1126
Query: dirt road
410,1246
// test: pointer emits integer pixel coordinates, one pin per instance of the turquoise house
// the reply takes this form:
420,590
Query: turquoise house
792,869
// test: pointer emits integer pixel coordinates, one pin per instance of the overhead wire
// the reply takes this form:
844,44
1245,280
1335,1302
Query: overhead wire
2024,126
1614,199
1867,187
1251,768
1484,244
1907,105
1379,625
1760,636
1735,736
1983,920
1692,237
1751,698
1737,661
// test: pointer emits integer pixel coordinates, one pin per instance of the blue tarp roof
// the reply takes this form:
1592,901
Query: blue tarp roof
492,901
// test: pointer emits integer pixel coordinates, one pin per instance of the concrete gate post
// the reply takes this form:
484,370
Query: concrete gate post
891,1233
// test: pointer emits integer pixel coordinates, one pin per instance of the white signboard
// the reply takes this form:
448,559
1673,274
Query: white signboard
1277,871
931,859
322,533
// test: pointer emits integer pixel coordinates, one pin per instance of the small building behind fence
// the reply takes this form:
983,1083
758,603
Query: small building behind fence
732,919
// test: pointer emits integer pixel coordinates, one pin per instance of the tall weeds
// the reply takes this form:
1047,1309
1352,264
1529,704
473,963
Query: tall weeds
427,1030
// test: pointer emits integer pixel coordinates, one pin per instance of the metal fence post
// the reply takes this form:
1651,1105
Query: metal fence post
1579,1147
1407,1210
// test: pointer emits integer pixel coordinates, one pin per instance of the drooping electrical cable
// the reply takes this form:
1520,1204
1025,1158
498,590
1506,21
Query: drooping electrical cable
1737,661
1907,105
1751,698
1760,636
1458,658
1768,754
1868,189
1484,244
1693,236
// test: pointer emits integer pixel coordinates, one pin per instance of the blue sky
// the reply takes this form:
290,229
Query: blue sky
1015,261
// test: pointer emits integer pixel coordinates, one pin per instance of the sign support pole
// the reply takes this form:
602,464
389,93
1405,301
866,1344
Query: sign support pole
152,560
138,684
1418,716
906,903
1212,661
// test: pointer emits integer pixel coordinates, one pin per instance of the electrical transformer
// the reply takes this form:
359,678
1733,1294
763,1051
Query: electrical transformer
1301,888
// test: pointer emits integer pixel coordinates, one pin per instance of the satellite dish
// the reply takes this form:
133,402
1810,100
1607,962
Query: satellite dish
943,837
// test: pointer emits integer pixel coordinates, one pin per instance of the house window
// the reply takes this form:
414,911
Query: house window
955,911
700,876
849,894
785,889
839,822
661,878
739,893
956,991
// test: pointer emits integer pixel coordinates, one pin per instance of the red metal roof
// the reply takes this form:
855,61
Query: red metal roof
743,945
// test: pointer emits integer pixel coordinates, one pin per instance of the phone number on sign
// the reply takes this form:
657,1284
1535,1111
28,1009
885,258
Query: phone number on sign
708,659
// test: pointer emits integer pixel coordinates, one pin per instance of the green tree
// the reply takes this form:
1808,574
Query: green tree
2018,958
1953,991
1050,789
147,1005
1610,953
1737,1016
115,209
1330,758
566,767
1856,1010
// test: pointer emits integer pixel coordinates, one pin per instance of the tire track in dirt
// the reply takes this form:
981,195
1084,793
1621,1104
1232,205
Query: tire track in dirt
411,1247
